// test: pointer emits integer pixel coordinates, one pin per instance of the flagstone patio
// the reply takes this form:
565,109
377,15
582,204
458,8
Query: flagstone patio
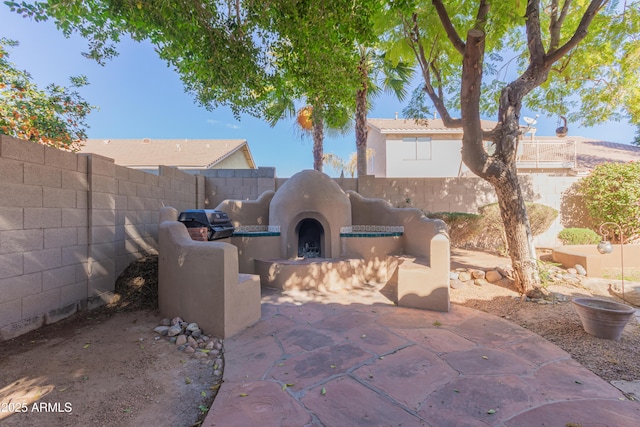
355,359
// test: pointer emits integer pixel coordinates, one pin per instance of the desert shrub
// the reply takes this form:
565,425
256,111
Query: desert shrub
540,217
463,227
493,236
578,236
612,194
486,231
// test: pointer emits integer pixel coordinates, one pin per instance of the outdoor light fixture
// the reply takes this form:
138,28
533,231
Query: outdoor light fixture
605,247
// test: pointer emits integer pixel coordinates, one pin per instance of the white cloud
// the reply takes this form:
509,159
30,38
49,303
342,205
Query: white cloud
212,121
232,126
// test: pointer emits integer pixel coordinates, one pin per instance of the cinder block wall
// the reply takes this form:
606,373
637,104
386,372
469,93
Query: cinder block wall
69,225
430,194
236,184
466,194
43,235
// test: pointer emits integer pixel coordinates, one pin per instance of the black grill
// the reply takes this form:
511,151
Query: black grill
218,222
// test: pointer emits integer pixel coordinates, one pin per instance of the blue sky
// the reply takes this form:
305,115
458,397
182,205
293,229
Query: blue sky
140,97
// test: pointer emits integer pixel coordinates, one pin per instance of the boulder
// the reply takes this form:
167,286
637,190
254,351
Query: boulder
478,274
493,276
464,276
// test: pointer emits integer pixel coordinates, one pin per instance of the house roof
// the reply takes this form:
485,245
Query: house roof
409,126
182,153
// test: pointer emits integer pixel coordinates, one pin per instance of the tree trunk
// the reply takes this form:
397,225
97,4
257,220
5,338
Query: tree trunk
499,169
518,232
361,117
318,142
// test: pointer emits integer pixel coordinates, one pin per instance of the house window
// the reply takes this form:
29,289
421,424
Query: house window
417,148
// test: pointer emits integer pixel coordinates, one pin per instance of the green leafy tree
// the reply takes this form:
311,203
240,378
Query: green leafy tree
315,59
611,193
235,53
53,116
574,58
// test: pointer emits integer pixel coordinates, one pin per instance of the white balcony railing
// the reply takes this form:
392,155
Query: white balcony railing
544,154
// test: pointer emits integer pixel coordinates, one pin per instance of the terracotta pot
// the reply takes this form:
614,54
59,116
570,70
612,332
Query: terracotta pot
603,318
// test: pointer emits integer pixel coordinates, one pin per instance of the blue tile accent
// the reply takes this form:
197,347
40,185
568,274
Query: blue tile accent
376,234
255,234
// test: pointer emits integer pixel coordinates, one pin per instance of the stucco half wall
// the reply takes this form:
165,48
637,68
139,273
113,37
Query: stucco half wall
200,282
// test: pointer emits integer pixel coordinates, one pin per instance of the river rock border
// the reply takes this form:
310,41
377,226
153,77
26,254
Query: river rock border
190,339
504,276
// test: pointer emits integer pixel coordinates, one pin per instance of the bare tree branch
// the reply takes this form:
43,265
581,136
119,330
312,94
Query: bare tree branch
481,17
534,34
580,33
554,28
238,14
557,20
413,33
448,26
438,75
470,93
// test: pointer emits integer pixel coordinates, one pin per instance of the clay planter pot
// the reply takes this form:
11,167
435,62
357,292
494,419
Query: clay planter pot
603,318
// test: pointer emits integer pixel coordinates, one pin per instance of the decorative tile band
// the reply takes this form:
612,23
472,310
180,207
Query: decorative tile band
374,234
258,228
372,229
255,233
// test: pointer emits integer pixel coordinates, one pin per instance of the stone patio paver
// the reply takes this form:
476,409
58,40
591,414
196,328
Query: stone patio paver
409,375
354,359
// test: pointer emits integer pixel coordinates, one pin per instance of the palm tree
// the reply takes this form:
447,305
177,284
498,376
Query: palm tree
339,164
314,118
377,73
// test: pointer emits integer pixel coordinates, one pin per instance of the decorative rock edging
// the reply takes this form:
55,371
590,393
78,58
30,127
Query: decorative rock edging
504,276
461,277
190,339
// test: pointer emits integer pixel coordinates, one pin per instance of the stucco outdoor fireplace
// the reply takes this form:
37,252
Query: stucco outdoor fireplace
310,234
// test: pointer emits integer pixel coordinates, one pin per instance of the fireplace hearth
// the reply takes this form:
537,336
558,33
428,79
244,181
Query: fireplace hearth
310,235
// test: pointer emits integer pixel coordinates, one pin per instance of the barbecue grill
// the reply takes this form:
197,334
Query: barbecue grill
217,223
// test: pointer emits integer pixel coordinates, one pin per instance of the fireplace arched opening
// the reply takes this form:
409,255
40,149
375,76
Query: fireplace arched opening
310,237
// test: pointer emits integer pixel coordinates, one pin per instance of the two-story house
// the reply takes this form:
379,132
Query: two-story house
403,148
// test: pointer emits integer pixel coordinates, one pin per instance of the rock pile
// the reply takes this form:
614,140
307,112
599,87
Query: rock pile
504,276
571,275
460,277
189,338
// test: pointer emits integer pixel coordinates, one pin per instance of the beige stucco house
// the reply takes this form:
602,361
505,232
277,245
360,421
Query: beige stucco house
405,149
185,154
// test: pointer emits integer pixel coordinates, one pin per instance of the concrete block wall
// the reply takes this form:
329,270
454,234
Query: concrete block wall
236,184
43,235
555,191
139,198
464,194
70,224
430,194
